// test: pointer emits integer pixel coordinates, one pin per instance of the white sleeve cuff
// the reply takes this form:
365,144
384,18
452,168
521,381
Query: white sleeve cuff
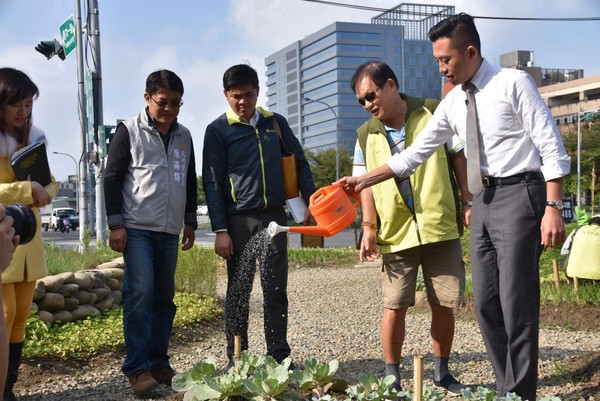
398,165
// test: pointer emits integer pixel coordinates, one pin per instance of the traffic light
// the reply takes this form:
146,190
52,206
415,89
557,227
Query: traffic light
50,48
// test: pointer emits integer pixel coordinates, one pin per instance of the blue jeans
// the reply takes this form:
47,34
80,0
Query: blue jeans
148,291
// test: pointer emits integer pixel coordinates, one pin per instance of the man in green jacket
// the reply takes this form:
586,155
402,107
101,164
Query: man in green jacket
412,222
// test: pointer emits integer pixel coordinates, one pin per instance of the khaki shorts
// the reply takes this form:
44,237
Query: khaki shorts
443,271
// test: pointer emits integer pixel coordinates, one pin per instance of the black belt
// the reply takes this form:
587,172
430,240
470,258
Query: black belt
513,179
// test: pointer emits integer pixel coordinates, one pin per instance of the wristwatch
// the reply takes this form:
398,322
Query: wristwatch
467,203
557,204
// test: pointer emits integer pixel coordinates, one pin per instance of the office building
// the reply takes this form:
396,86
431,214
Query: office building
309,80
523,60
573,101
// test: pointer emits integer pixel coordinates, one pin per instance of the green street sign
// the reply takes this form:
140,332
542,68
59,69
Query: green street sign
67,33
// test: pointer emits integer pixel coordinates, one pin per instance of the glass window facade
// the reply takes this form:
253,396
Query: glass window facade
325,61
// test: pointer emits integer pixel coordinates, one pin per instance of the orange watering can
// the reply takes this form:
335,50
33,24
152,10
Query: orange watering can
332,207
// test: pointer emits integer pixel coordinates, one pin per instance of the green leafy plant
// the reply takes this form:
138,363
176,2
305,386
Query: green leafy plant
197,271
432,394
318,257
257,378
373,388
196,268
75,339
486,394
263,379
36,329
61,260
272,381
318,378
86,239
85,338
481,394
420,281
203,383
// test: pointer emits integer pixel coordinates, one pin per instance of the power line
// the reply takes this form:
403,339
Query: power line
384,10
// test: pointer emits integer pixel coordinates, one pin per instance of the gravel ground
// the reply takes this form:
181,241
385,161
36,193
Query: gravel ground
334,314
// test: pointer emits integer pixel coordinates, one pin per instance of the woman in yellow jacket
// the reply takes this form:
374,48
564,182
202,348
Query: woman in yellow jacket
17,93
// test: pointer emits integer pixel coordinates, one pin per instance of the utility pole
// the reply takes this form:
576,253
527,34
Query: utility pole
77,179
84,160
93,32
337,135
90,105
579,140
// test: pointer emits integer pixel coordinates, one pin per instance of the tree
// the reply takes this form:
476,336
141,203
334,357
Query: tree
201,195
322,165
590,155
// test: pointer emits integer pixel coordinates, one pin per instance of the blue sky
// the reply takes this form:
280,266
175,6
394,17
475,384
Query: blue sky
200,39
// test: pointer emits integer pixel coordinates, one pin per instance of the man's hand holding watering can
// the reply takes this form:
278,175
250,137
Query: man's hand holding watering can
357,184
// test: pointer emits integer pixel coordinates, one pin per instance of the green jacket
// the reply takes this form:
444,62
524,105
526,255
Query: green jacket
436,215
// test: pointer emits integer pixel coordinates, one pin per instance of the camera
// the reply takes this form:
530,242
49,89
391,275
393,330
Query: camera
25,223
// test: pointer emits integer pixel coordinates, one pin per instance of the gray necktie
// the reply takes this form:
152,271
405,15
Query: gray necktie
473,141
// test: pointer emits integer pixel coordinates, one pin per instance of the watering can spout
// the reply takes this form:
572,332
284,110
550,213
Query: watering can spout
333,209
275,229
311,230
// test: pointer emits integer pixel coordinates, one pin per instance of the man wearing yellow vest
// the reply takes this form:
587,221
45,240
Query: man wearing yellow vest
412,222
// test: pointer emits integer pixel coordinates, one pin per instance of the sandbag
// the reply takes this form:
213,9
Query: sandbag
51,302
53,283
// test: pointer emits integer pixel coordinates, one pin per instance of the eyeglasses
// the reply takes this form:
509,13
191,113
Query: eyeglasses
163,103
369,97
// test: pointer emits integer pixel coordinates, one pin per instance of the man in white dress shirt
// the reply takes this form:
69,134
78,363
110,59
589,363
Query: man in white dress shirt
516,214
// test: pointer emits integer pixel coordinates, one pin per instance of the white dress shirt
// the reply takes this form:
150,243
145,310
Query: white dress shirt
518,131
396,140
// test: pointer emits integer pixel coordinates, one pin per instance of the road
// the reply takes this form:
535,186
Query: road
204,237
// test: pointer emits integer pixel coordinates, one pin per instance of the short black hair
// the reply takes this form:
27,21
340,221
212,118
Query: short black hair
460,29
240,74
378,71
163,79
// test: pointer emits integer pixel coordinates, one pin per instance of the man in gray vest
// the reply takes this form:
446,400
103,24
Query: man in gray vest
151,194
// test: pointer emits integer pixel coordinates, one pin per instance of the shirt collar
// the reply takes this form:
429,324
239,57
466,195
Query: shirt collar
254,120
483,75
233,118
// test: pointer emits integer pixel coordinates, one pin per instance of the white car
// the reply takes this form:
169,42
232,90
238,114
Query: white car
202,210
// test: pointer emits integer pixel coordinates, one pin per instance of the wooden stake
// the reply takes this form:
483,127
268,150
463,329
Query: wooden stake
556,278
418,377
237,348
576,284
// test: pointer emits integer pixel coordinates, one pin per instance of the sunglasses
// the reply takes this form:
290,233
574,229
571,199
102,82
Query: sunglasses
369,97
